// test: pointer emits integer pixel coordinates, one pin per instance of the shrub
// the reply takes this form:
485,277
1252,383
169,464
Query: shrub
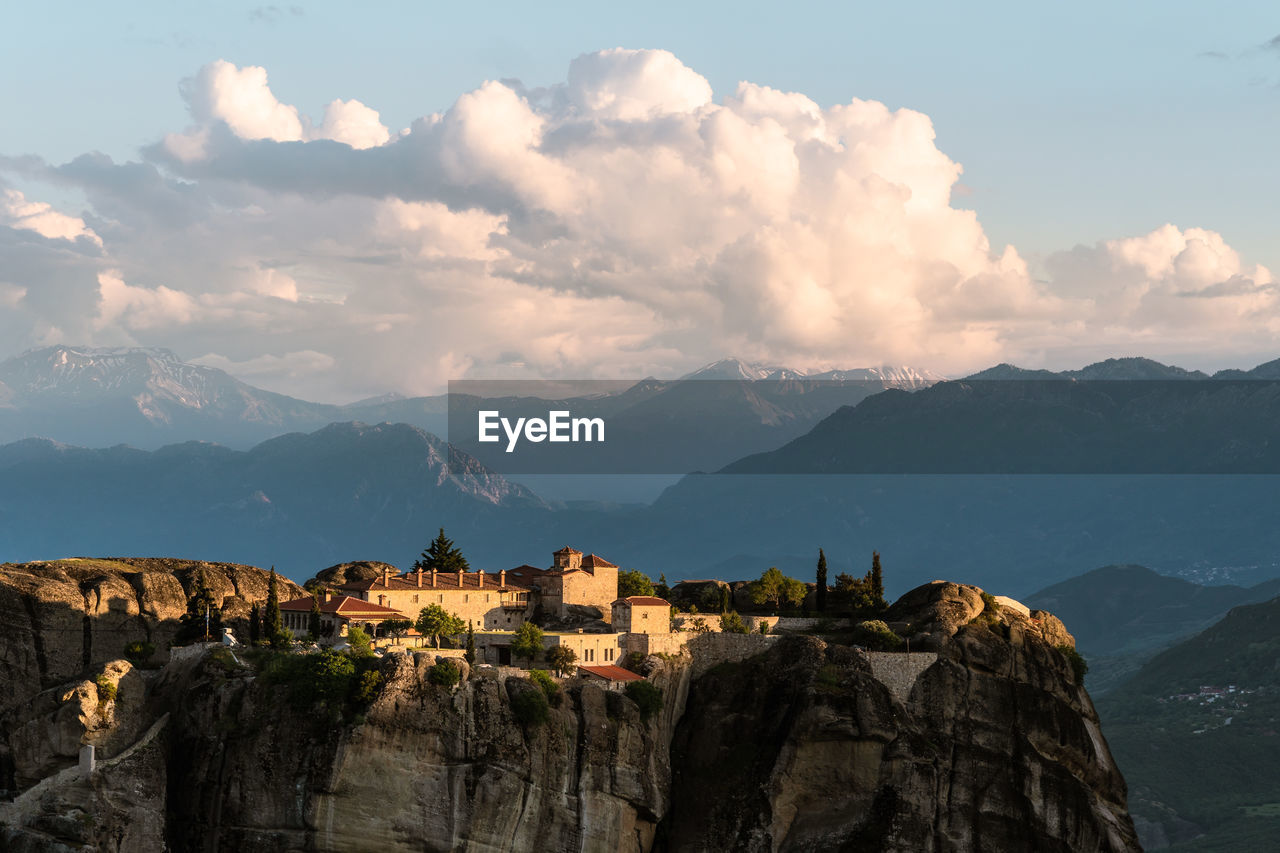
359,642
530,707
106,689
875,634
1079,666
647,697
731,623
546,682
764,627
633,661
367,687
445,674
139,651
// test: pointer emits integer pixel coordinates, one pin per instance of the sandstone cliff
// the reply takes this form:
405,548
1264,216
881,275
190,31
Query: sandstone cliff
982,741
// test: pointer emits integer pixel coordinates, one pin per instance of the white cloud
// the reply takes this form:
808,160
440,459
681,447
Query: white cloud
620,223
241,99
17,212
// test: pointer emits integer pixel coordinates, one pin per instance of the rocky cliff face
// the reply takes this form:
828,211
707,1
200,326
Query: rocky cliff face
803,747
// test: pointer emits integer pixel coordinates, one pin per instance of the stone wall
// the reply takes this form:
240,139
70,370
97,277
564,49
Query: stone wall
898,671
656,644
710,650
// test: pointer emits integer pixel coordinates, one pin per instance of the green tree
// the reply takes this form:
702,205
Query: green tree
395,628
436,622
821,602
273,623
470,655
255,624
527,642
646,696
661,589
530,707
358,640
633,582
876,579
546,682
794,591
562,659
203,619
724,599
313,620
442,556
731,623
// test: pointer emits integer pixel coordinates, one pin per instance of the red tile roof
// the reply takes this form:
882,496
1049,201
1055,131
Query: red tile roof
645,601
342,606
444,580
609,672
592,561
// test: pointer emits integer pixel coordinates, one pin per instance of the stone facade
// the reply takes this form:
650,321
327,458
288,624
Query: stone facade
485,601
642,614
338,614
573,580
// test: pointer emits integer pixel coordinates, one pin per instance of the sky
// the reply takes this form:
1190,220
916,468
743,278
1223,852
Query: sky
336,202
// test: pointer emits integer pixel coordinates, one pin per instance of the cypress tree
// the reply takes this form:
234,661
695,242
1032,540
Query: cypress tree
313,623
470,655
821,601
255,624
877,581
274,624
724,599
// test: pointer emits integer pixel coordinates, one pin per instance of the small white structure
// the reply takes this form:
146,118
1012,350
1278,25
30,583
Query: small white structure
229,638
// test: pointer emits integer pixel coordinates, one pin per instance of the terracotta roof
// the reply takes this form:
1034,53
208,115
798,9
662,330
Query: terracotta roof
444,580
609,672
342,606
567,550
645,601
592,561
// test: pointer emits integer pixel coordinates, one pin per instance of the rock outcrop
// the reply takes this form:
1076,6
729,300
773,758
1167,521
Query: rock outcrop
985,741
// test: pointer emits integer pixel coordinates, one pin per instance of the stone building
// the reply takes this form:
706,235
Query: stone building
484,600
338,614
642,614
573,580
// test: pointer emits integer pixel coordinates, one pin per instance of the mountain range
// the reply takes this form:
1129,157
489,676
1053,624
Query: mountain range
147,398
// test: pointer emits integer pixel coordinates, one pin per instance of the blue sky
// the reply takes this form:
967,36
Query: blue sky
1074,124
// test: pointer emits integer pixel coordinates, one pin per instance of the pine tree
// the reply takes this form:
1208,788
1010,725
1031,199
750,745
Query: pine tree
313,623
822,582
442,556
877,581
273,624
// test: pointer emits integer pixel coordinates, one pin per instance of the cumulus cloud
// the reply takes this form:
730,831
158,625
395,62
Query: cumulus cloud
623,222
17,212
242,100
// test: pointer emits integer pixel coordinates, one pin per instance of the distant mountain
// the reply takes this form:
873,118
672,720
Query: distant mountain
908,378
1176,422
301,502
1123,615
1197,734
1143,369
97,397
103,396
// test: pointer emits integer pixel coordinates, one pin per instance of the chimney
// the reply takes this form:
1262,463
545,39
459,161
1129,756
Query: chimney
386,576
502,578
324,595
419,577
459,578
479,578
433,578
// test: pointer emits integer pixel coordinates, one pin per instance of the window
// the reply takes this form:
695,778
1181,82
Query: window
486,597
466,599
415,599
